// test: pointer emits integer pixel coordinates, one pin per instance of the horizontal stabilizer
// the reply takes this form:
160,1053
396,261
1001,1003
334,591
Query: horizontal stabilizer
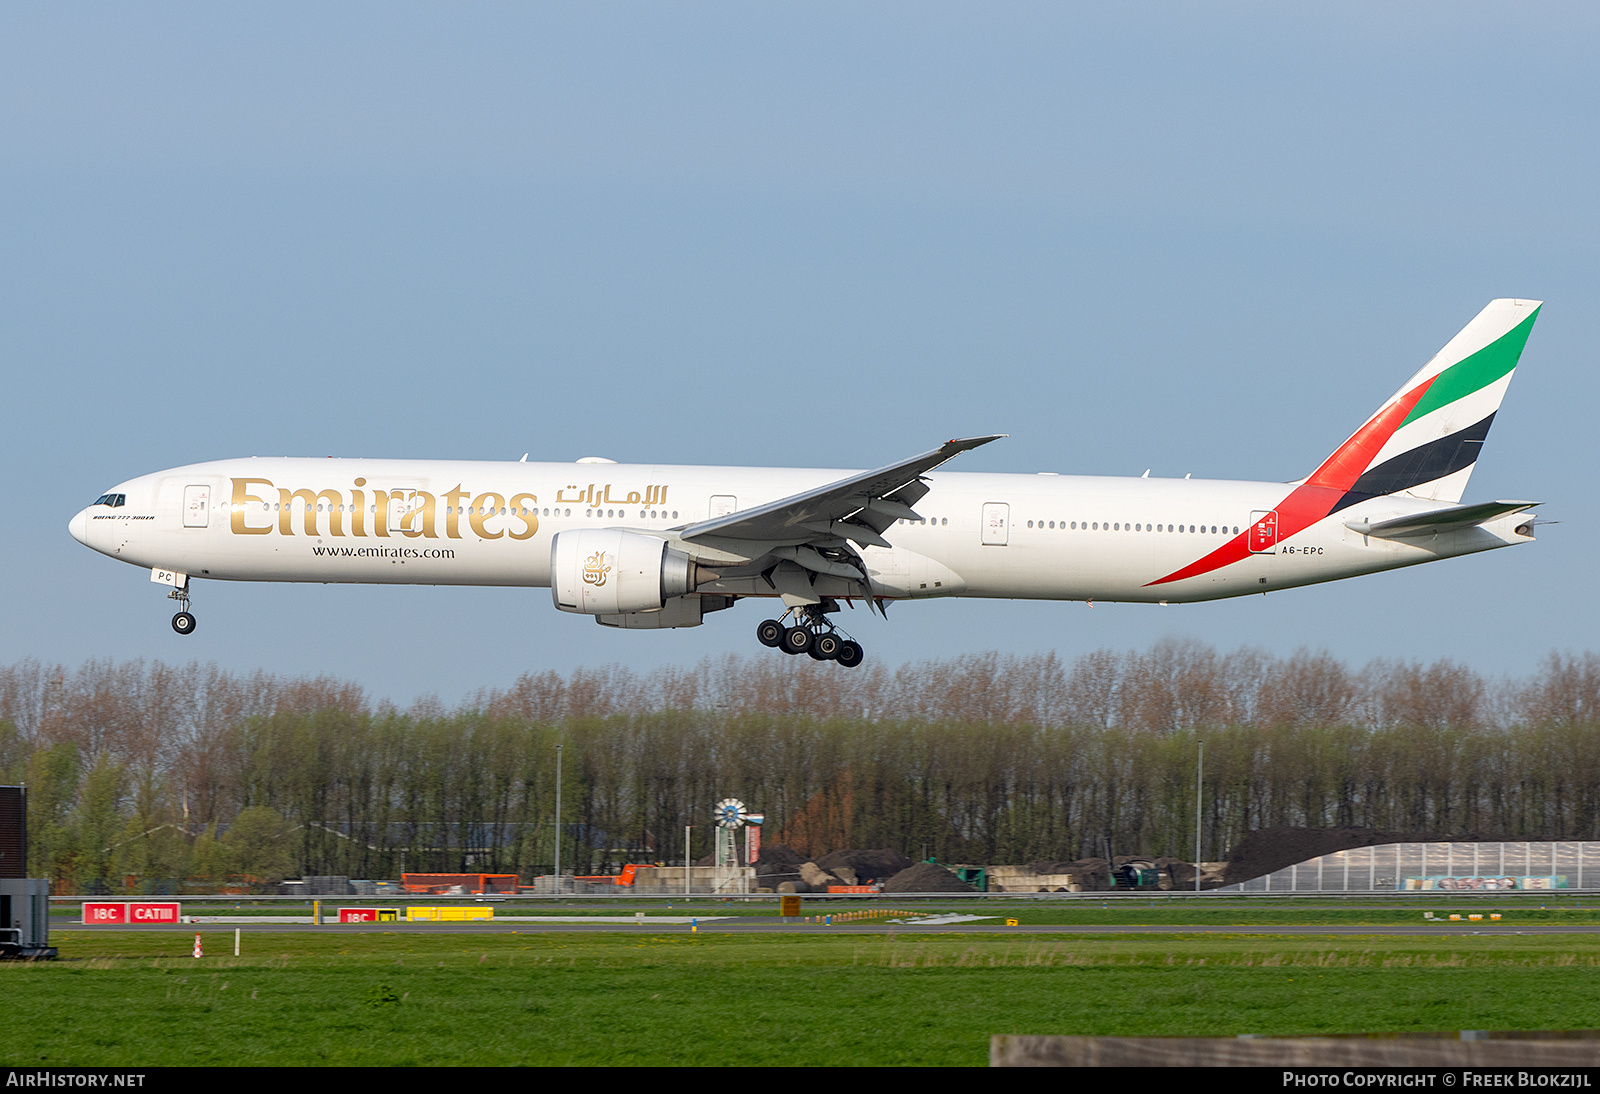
1449,519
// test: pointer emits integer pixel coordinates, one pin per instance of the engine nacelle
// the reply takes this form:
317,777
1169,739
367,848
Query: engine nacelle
607,571
680,611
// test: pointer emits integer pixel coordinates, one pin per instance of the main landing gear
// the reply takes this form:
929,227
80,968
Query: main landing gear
183,622
809,631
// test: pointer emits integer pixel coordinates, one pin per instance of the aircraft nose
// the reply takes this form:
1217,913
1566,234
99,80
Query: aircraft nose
79,527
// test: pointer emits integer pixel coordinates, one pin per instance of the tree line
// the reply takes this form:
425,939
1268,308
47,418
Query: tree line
145,775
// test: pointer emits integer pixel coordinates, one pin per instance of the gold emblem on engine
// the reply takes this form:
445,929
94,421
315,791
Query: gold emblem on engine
595,569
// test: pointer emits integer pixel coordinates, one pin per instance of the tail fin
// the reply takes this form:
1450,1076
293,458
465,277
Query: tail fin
1424,441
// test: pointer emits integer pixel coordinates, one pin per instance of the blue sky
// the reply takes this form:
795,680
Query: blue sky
1202,239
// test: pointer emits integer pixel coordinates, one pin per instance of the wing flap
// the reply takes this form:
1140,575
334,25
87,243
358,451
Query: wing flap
809,558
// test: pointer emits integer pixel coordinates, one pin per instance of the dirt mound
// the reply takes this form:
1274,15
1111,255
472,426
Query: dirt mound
780,853
1089,873
1268,849
772,874
925,877
1064,866
1094,874
1179,873
868,866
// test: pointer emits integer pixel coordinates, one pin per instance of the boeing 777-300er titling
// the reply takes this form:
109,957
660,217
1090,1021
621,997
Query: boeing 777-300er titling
645,546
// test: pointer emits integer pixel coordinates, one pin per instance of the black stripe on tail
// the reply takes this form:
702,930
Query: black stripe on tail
1422,464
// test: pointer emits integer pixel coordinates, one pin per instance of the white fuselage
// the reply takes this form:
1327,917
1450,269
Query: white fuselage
1054,537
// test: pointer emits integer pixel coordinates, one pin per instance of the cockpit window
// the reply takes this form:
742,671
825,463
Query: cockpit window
113,500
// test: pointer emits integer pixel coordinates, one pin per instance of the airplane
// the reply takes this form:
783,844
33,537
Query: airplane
644,546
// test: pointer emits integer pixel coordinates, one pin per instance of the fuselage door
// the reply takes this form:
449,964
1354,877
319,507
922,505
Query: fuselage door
1264,532
196,506
404,506
398,508
722,505
996,522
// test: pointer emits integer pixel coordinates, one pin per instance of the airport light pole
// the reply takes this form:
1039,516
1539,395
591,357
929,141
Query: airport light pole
686,830
1199,782
558,818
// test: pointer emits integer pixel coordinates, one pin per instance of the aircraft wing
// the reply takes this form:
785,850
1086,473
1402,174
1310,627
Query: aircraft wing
859,508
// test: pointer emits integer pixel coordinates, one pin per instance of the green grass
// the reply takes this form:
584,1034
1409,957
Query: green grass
138,999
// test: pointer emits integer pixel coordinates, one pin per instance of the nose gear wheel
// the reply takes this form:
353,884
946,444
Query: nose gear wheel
183,622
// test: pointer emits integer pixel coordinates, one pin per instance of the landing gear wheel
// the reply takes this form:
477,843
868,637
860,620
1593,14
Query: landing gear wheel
770,633
826,647
850,654
796,640
183,623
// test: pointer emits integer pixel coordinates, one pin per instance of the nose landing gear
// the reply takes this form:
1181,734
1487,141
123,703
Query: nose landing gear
183,622
811,633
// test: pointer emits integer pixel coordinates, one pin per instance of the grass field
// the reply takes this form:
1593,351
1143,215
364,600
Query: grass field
138,999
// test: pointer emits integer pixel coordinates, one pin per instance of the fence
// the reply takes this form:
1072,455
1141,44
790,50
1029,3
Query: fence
1452,867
